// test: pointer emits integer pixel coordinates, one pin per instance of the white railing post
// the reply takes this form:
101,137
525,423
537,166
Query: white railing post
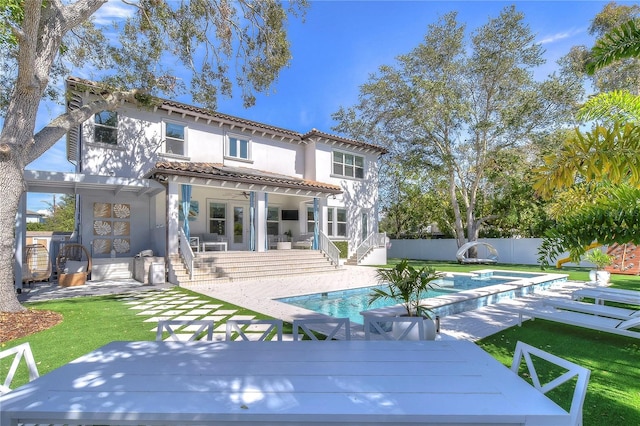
185,252
326,246
373,240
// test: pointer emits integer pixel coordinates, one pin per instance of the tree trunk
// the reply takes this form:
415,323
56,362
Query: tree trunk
12,183
459,229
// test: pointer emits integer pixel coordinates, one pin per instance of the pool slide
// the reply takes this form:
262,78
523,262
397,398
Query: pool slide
562,261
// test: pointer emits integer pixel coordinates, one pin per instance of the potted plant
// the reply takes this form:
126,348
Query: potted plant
408,286
600,259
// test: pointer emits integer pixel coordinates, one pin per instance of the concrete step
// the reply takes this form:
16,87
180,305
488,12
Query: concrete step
212,267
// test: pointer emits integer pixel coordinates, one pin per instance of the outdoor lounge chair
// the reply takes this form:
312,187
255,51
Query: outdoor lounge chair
529,353
592,308
602,294
590,321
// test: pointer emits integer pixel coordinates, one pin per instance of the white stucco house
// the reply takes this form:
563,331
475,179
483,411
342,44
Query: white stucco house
243,182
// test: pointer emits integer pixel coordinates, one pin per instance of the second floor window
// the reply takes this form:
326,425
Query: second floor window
238,148
348,165
174,137
106,127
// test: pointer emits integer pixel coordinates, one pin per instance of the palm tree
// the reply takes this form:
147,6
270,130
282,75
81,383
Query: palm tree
608,157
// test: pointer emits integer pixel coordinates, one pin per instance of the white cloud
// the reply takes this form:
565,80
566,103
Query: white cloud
561,36
112,11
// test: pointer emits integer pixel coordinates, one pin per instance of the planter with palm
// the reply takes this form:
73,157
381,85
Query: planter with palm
601,260
408,286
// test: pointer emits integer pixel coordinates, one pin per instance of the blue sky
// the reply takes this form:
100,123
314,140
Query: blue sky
342,42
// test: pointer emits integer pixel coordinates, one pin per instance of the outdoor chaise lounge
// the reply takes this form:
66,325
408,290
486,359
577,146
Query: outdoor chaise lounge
590,321
592,308
602,294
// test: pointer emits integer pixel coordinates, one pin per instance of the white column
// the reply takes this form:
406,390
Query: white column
173,199
20,238
261,221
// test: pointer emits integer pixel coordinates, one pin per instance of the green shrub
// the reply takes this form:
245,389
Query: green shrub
343,246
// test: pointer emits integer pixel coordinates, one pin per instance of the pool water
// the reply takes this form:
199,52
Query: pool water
349,303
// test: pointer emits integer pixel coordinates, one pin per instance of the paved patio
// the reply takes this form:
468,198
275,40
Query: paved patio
158,301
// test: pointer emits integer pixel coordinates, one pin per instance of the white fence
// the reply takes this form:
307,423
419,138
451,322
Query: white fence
523,251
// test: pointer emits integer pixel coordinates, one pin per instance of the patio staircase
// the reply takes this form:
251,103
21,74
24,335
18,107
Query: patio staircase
225,266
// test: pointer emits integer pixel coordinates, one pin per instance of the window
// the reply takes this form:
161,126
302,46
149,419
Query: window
174,138
330,222
106,127
348,165
311,225
341,220
273,222
238,148
217,218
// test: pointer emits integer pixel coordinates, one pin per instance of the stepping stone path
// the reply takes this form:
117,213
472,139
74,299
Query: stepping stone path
172,304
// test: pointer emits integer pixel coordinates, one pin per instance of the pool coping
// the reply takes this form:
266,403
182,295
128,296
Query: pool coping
445,305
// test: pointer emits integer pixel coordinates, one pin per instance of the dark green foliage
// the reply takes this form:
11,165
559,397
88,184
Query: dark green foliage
343,246
612,219
619,43
407,285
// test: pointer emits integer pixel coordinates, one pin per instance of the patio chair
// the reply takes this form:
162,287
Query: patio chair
394,328
592,308
73,265
330,327
18,352
254,329
185,330
526,351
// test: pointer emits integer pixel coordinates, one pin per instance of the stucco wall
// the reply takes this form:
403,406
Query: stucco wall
140,233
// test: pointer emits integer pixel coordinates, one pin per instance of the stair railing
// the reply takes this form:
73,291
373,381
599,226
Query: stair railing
186,253
373,240
329,249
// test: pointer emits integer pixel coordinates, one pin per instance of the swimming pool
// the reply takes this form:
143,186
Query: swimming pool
453,294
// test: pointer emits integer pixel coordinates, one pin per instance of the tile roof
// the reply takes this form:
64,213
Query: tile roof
239,174
232,121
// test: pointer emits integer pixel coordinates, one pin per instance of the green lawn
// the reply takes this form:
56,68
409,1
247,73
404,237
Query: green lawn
613,396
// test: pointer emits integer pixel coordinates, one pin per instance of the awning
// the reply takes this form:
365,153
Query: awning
78,183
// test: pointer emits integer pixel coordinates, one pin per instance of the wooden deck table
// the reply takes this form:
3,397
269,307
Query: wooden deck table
282,383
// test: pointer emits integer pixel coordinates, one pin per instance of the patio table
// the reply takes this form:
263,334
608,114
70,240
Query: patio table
282,383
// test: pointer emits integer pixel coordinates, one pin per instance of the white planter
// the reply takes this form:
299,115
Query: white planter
429,326
599,277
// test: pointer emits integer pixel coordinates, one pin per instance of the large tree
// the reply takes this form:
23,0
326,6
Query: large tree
215,43
454,106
